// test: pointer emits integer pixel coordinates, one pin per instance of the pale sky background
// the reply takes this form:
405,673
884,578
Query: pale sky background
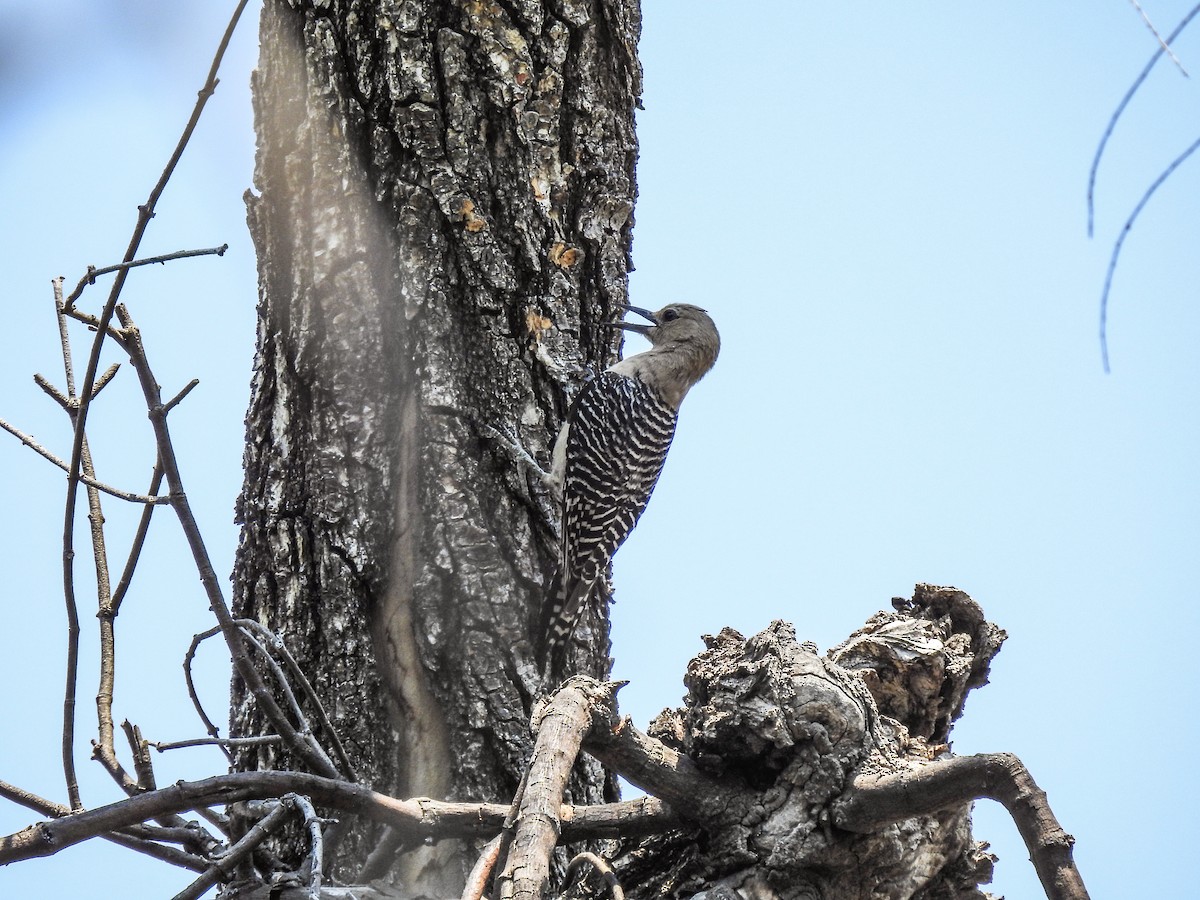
882,205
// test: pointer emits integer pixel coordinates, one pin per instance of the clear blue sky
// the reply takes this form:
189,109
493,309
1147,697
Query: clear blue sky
882,205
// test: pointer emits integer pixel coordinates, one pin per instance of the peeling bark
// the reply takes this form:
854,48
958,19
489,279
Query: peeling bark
444,206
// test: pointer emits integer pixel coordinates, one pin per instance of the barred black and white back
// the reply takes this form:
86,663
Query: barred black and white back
617,437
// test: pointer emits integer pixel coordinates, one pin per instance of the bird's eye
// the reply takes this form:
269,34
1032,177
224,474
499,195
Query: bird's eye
670,315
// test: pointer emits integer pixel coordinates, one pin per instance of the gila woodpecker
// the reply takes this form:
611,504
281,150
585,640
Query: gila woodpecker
611,450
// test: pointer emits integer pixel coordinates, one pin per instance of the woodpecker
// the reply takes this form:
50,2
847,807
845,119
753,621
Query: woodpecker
610,452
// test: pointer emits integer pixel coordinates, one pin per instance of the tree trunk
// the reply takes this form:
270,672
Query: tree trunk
444,211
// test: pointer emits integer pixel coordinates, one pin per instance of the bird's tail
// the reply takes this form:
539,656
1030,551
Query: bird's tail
562,606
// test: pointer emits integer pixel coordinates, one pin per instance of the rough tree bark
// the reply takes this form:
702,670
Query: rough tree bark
445,195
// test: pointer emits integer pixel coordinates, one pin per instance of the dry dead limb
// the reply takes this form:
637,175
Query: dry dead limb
774,692
659,770
605,870
418,819
316,850
93,273
874,801
225,865
563,723
31,442
482,870
124,838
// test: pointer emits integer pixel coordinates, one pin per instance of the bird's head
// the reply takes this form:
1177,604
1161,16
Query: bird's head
679,326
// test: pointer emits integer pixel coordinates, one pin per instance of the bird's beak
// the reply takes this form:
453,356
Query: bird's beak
635,326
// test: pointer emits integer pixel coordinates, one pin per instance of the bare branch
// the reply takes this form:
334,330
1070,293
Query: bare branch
418,819
139,540
93,273
1112,263
482,870
48,807
162,746
141,756
605,870
105,378
277,645
316,853
304,745
1112,122
564,722
1158,37
660,770
145,213
54,393
209,726
875,801
30,442
178,398
225,866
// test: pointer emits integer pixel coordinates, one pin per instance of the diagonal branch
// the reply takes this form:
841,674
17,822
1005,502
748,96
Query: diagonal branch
1116,253
304,745
171,855
875,801
93,272
30,442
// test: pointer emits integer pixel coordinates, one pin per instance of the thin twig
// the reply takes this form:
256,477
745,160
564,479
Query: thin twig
1112,262
30,442
213,817
105,378
139,540
105,614
68,560
93,324
93,272
1112,122
316,843
103,749
278,645
224,867
163,746
178,398
281,681
142,764
1158,37
54,393
605,870
209,726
